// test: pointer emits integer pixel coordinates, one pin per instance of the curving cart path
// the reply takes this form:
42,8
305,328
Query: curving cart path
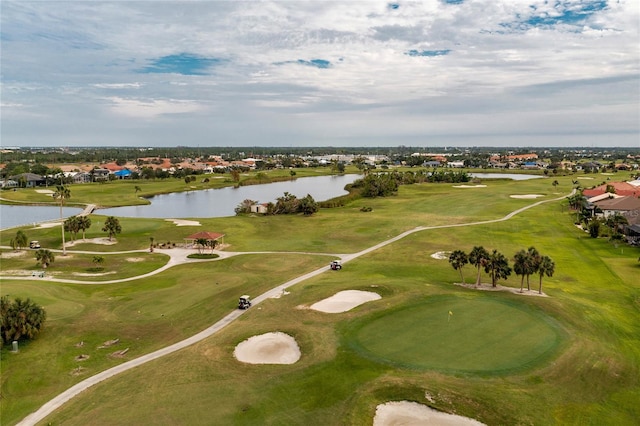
177,257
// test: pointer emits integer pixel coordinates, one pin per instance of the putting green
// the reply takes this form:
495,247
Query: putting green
481,335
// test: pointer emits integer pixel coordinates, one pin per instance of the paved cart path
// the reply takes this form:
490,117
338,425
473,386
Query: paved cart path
178,258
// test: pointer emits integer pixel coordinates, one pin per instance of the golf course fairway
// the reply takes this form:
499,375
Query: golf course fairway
480,334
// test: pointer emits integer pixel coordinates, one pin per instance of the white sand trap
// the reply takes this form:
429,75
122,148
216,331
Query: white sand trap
399,413
48,224
526,196
469,186
268,348
344,301
103,240
441,255
45,191
585,177
182,222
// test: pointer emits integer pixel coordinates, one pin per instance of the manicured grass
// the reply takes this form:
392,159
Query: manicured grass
455,334
591,377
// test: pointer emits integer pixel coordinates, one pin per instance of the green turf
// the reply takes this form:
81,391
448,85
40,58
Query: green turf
591,378
478,335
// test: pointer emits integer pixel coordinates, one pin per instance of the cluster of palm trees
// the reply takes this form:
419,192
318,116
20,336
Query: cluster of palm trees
203,243
525,263
20,319
75,224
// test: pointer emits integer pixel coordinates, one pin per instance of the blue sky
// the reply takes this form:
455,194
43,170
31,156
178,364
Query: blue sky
320,73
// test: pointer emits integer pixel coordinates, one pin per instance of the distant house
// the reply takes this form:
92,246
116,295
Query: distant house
123,174
100,174
29,180
620,205
620,188
81,177
431,164
259,208
456,164
8,183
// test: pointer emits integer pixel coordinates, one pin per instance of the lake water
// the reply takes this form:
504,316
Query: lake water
210,202
11,216
193,204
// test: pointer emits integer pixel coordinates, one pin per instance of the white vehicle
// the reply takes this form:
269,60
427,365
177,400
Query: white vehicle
244,302
34,245
335,265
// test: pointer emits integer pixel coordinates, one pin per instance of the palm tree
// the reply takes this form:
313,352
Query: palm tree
45,257
98,260
213,244
458,259
84,223
21,318
71,225
478,257
532,264
520,267
151,240
20,240
112,226
137,189
202,243
497,266
555,183
547,267
62,193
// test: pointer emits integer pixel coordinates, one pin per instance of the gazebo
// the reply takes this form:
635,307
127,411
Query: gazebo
209,236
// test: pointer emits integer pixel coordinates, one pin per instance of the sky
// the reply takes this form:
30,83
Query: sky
432,73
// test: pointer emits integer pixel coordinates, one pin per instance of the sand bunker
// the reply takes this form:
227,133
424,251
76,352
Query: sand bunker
469,186
344,301
585,177
268,348
103,240
441,255
48,224
182,222
44,191
411,413
526,196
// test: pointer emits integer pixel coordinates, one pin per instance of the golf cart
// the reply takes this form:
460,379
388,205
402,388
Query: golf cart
244,302
335,265
34,245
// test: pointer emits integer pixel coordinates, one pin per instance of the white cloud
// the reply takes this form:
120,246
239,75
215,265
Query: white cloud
85,59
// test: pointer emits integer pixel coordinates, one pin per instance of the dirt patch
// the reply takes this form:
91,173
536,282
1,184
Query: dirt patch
77,371
135,259
109,343
268,348
119,354
82,357
13,254
498,287
344,301
411,413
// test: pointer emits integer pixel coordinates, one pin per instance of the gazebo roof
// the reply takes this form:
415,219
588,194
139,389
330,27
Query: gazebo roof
204,234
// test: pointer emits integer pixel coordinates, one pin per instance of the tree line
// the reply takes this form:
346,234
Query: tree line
525,263
287,204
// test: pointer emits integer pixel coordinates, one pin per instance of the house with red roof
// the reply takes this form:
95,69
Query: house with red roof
620,188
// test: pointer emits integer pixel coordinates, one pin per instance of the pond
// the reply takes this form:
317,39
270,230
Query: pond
196,204
11,216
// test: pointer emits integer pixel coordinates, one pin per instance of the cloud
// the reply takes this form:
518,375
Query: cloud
320,72
153,107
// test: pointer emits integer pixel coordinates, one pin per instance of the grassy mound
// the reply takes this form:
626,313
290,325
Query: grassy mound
446,333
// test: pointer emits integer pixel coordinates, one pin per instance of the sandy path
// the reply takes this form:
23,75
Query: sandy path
65,396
